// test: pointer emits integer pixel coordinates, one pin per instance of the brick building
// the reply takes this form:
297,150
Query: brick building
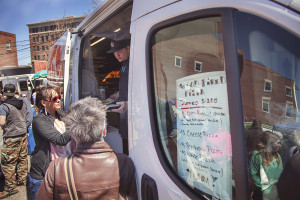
266,94
8,49
44,34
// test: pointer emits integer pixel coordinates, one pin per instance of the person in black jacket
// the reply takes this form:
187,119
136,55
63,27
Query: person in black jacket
48,106
121,50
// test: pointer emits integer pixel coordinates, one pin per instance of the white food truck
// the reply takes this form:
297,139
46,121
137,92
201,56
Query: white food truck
24,83
200,72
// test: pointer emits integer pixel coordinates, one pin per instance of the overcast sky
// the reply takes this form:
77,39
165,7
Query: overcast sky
15,14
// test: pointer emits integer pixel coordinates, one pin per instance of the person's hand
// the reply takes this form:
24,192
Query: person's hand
114,96
122,108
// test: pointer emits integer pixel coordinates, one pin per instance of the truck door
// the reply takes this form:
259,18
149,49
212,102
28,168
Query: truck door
207,78
58,67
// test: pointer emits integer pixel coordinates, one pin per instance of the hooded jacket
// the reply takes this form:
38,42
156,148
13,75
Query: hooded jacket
15,124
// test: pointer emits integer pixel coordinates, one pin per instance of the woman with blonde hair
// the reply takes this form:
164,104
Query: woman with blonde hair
48,131
266,166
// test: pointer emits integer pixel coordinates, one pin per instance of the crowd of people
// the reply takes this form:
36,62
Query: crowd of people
74,137
68,145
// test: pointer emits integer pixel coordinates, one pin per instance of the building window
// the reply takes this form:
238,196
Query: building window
42,29
38,57
34,49
42,38
33,30
37,48
34,57
178,61
268,86
37,39
266,104
46,28
7,46
52,37
288,91
33,39
47,47
43,48
289,109
198,66
36,30
47,38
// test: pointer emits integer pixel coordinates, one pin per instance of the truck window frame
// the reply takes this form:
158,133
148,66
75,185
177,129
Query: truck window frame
232,70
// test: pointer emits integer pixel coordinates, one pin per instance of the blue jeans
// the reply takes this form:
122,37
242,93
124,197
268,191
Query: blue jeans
34,185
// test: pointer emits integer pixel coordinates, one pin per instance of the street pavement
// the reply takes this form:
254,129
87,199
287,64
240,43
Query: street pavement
23,193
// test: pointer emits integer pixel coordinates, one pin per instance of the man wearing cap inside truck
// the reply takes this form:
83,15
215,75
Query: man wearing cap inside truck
121,50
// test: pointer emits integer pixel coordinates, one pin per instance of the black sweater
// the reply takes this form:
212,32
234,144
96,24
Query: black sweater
44,133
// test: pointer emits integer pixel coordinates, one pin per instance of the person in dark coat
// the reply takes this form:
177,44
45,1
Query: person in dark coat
289,180
121,50
97,171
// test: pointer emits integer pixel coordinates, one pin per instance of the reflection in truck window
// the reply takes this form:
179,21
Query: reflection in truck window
191,105
269,85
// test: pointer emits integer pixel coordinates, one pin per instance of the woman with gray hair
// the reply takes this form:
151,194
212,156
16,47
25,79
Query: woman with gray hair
85,121
97,171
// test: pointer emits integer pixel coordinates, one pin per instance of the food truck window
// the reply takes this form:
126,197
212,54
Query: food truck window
99,70
191,105
271,76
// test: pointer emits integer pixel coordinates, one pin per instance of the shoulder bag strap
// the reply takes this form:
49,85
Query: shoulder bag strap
70,178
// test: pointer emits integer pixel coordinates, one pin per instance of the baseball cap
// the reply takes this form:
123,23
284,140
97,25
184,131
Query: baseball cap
118,45
9,90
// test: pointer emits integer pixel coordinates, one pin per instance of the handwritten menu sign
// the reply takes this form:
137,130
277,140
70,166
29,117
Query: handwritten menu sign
203,136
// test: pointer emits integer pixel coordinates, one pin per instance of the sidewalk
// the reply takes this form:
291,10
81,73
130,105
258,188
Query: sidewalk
23,193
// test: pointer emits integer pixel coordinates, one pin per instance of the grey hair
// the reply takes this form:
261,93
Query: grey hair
85,120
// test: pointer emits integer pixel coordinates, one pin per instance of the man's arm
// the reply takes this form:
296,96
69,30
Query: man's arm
122,108
2,120
4,110
115,96
45,128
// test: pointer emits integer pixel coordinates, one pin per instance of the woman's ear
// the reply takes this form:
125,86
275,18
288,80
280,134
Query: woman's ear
43,103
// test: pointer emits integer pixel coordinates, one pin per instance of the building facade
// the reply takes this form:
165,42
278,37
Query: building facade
43,35
8,49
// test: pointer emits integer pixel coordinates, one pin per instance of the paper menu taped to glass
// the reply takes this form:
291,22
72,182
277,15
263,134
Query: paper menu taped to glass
203,135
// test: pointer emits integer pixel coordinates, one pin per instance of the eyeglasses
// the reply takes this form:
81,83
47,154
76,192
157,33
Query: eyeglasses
55,99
